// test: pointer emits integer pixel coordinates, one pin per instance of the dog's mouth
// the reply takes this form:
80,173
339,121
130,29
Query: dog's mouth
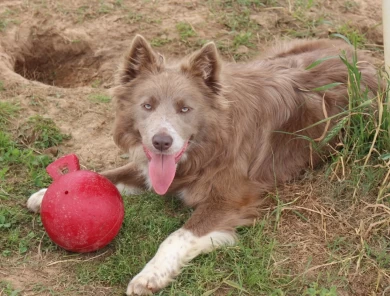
162,168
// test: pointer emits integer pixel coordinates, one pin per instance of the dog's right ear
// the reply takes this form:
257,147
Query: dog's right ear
141,57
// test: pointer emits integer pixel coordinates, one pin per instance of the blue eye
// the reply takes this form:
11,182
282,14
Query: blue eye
184,110
147,106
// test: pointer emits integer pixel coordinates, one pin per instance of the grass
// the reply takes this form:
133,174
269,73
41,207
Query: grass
159,41
99,98
20,165
7,289
352,34
185,30
366,132
40,132
5,19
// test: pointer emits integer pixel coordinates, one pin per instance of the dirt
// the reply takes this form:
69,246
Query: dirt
55,54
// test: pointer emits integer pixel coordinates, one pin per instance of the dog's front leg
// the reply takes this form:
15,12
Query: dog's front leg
128,179
203,232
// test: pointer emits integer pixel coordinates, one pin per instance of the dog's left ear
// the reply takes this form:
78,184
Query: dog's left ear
205,64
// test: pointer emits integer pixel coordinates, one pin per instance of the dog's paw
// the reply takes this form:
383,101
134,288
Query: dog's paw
35,200
146,283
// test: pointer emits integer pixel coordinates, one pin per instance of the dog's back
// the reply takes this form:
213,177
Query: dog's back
273,101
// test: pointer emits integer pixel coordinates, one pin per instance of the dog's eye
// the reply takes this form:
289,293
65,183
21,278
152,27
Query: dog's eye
185,109
147,106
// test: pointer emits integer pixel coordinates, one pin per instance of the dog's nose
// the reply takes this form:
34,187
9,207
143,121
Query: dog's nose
162,141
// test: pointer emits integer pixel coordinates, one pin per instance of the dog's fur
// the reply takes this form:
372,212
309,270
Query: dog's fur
245,124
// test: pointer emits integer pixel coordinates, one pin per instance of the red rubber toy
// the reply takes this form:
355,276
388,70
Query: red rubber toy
81,211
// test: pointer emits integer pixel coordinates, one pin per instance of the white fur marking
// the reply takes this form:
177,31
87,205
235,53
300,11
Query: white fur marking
182,194
174,253
145,173
35,200
128,190
161,123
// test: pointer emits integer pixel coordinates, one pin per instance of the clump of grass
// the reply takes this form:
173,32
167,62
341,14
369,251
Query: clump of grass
96,83
41,133
352,34
185,30
245,3
12,156
7,112
2,87
316,290
133,17
3,25
367,133
8,290
158,41
243,38
239,21
99,98
350,5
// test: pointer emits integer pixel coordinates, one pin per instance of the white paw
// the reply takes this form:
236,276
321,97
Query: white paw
146,282
35,200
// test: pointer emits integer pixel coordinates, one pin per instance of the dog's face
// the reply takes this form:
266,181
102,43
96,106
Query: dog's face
164,107
168,111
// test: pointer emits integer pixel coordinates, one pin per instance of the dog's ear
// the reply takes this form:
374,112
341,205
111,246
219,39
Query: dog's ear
141,57
206,64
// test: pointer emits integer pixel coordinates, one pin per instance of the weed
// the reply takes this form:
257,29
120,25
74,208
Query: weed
352,34
365,130
239,21
2,87
380,253
41,133
96,83
99,98
133,17
245,3
118,3
243,38
185,30
3,25
350,5
158,41
104,9
315,290
303,4
7,289
7,112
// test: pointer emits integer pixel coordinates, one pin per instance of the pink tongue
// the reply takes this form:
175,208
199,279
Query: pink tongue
162,169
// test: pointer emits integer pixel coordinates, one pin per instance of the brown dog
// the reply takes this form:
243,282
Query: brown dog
220,135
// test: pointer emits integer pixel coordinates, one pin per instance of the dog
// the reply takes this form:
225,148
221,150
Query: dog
220,135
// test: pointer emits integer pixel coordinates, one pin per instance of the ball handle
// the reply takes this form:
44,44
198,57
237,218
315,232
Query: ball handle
66,164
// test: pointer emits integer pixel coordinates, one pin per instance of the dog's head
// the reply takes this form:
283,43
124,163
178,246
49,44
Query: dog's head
165,107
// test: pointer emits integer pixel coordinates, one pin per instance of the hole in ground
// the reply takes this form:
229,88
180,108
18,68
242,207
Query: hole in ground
55,60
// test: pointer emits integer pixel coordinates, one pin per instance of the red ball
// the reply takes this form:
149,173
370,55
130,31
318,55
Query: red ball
81,211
